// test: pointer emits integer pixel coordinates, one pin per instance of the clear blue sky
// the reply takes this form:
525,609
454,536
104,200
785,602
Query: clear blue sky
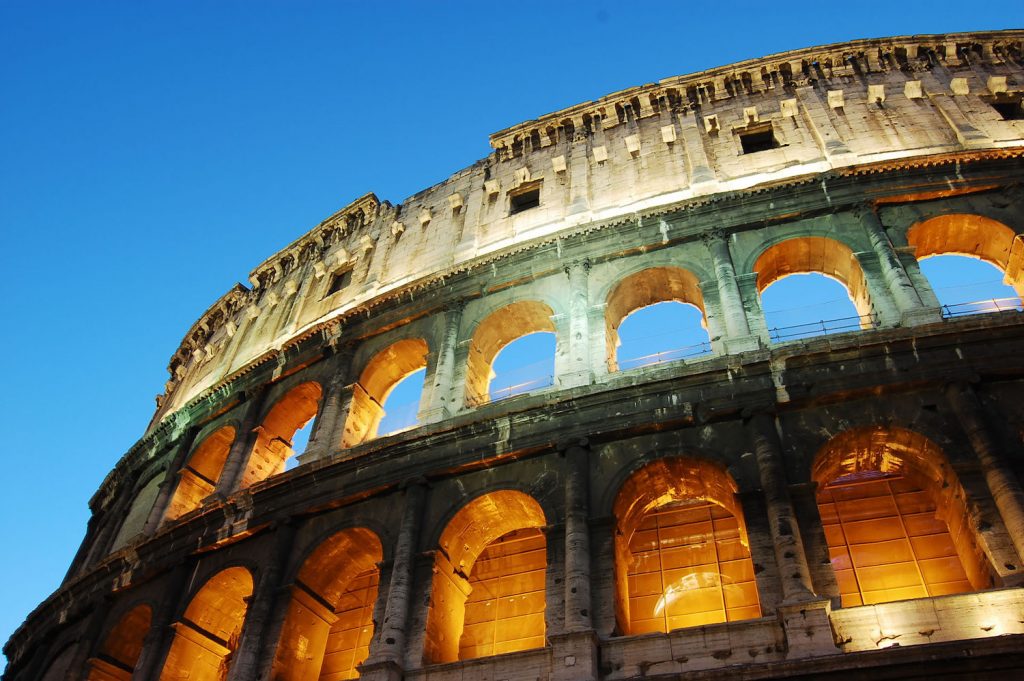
154,152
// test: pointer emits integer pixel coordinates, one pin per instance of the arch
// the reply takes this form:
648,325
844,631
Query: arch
206,636
973,236
497,330
274,437
199,476
58,669
643,289
815,254
329,619
122,646
681,552
488,590
382,373
895,518
135,519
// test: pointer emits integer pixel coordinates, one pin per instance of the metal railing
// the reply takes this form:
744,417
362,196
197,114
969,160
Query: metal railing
522,387
823,327
665,356
981,307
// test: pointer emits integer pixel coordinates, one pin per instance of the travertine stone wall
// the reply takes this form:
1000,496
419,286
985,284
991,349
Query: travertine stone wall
885,151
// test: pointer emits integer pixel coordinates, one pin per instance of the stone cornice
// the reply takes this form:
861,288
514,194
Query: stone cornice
900,53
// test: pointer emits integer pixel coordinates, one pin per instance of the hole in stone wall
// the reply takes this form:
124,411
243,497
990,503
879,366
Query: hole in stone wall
275,442
524,197
524,365
198,479
758,139
1009,109
968,285
383,372
487,594
122,646
805,305
663,332
206,637
329,623
339,281
401,406
493,334
681,550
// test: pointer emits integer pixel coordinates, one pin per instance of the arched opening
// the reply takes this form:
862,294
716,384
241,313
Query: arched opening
402,404
487,595
198,478
895,518
135,519
329,624
117,657
654,316
499,329
274,440
207,635
832,309
964,287
382,373
525,364
681,553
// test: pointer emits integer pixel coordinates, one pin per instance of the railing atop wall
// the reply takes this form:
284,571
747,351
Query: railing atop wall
982,306
823,327
666,356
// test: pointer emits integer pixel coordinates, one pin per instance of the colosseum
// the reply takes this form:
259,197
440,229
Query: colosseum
842,505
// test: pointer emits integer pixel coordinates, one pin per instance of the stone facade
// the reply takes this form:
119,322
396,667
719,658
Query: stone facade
853,160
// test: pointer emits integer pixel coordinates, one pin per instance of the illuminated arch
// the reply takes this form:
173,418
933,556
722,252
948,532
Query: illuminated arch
681,552
198,477
499,329
895,518
382,373
487,595
643,289
815,254
973,236
207,635
117,657
330,615
274,439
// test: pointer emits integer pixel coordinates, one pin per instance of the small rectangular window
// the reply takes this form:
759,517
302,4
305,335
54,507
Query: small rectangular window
524,197
339,280
1010,110
759,139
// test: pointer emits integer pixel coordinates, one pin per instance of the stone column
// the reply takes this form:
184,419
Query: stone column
260,627
157,642
789,549
330,422
736,326
170,483
241,448
388,647
908,301
577,538
578,371
1006,489
804,616
441,403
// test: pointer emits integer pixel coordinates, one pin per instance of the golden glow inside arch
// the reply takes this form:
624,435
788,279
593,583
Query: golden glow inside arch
645,288
681,552
208,633
330,617
487,595
382,373
973,236
198,478
499,329
274,439
814,254
117,657
895,518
